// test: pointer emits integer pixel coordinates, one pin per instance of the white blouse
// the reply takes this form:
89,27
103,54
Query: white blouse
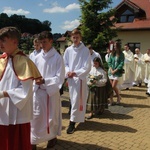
102,76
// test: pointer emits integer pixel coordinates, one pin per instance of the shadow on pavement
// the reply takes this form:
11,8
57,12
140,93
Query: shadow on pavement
108,114
136,88
65,103
113,112
136,105
133,96
69,145
103,127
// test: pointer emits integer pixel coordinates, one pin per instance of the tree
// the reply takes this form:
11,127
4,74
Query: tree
46,25
96,24
4,20
32,26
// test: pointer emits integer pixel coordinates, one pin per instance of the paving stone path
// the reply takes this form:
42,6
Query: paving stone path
124,127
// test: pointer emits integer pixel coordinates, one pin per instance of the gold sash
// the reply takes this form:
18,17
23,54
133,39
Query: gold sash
23,67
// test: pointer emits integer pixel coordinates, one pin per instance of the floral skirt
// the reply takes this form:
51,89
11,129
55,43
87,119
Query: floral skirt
97,99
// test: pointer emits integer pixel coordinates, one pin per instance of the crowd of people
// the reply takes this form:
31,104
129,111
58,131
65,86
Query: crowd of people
30,87
135,69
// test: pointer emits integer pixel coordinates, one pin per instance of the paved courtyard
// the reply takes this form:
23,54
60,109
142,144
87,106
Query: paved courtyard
124,127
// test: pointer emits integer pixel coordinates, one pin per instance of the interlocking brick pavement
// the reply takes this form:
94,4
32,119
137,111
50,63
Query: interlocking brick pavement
124,127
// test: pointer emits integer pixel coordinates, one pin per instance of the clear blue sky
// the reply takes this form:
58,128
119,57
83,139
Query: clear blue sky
63,14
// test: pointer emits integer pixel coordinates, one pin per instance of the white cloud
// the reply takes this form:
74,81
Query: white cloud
55,9
72,6
40,4
70,25
9,11
58,9
54,4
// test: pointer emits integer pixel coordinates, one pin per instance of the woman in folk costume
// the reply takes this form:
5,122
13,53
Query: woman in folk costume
47,116
77,65
17,72
115,71
98,94
139,68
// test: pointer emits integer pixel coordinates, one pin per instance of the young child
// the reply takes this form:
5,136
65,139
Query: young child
77,65
17,72
97,79
47,116
37,49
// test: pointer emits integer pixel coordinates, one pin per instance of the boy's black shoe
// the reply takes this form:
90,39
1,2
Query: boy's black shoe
34,147
71,128
147,93
51,143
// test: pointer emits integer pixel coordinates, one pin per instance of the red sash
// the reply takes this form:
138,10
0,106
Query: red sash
81,100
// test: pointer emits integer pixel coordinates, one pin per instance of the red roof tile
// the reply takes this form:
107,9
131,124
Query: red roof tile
137,24
143,4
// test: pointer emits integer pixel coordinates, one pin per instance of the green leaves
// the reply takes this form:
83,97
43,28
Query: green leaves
96,23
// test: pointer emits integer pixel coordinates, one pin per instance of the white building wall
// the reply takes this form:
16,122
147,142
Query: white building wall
142,37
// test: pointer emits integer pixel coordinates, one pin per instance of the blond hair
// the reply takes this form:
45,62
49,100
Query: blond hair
35,40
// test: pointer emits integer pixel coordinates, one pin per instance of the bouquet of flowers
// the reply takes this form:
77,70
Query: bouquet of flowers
92,81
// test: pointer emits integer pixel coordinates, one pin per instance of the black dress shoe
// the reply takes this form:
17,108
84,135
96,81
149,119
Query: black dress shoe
52,143
71,128
147,93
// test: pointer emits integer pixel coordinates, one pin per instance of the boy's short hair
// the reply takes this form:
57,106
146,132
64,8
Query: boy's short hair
10,32
126,45
75,31
45,35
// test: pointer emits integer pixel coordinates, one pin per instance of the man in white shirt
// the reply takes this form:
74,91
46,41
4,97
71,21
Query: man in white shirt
146,58
128,76
94,54
47,116
147,70
77,65
139,68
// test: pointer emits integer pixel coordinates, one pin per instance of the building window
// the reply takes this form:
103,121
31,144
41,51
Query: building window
133,46
127,16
